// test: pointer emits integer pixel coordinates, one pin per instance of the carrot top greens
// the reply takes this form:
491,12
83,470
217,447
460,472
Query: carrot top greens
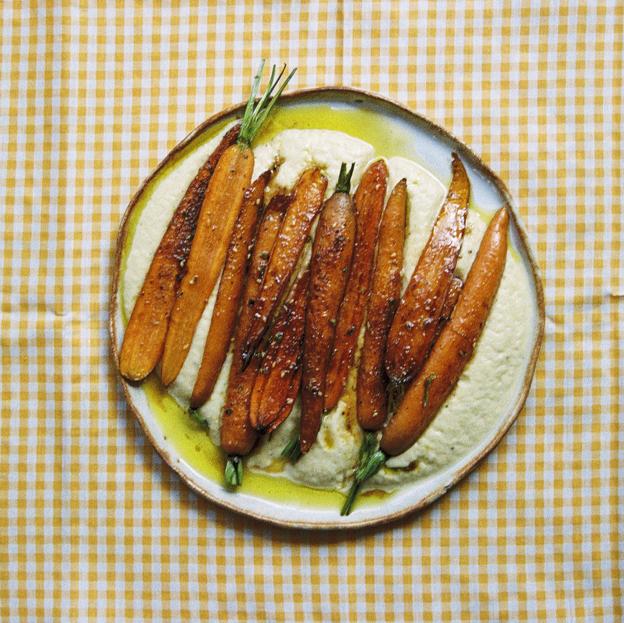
234,471
292,450
257,111
344,179
370,462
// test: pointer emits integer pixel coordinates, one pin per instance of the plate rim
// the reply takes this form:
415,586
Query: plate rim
457,474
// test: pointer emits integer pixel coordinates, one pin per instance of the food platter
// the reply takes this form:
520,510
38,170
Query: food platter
395,131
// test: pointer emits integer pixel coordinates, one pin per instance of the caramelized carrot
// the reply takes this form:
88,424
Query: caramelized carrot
305,205
332,252
145,334
447,360
368,202
385,294
237,435
270,225
215,225
214,229
268,230
279,376
415,322
456,344
228,296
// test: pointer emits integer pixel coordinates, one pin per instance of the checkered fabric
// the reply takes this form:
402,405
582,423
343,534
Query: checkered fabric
93,525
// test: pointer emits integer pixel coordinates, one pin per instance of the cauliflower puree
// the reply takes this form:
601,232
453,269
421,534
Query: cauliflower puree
484,389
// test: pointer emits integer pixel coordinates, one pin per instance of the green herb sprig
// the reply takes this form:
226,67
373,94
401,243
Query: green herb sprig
430,379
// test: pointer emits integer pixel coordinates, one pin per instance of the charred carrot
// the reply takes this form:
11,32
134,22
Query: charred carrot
224,197
455,346
371,458
279,375
305,205
145,334
449,356
330,264
228,296
385,294
415,322
237,435
368,202
270,225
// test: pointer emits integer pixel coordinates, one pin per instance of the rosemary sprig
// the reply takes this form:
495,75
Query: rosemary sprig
370,462
256,112
234,471
430,379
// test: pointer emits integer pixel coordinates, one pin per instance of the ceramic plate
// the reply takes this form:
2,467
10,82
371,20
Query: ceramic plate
186,447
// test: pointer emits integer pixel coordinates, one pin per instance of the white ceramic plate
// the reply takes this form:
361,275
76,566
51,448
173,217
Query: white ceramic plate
431,146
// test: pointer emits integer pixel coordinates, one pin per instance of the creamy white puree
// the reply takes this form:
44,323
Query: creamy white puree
487,385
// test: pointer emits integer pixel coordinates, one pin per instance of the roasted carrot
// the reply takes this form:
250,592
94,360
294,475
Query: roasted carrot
449,356
237,435
270,226
306,203
279,375
228,296
396,391
145,334
330,264
368,202
415,322
385,294
215,225
456,344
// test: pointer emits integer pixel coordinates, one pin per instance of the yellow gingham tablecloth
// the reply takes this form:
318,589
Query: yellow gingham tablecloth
93,525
